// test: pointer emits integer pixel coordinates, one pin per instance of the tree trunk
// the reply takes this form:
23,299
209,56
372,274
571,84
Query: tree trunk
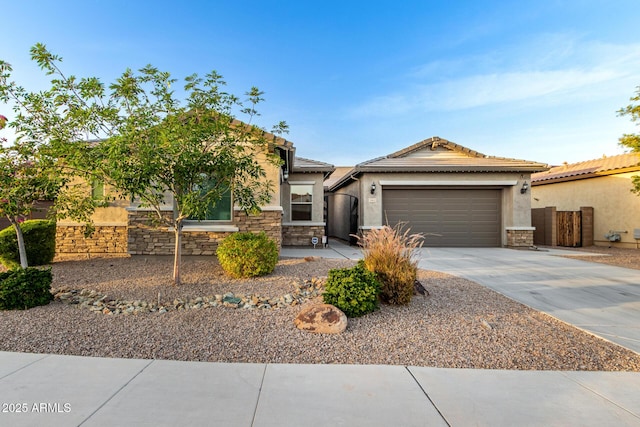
21,247
177,252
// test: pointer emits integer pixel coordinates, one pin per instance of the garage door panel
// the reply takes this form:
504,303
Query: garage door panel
459,217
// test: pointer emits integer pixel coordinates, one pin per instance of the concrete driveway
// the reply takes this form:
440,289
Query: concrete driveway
598,298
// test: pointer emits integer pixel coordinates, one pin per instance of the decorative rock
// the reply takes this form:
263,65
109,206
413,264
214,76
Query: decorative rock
321,319
231,300
92,300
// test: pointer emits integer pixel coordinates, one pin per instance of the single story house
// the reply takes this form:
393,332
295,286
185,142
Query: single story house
457,196
294,216
602,184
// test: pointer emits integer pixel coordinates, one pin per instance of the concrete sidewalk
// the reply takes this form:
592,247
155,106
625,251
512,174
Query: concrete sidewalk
38,390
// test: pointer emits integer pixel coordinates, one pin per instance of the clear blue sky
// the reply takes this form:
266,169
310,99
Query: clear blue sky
355,80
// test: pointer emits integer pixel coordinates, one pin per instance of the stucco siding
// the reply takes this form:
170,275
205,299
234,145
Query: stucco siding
616,208
315,179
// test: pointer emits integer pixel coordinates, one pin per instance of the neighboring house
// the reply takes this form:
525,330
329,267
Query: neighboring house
602,184
293,217
457,196
40,211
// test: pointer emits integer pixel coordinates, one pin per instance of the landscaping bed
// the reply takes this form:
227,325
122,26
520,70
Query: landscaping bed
619,257
459,324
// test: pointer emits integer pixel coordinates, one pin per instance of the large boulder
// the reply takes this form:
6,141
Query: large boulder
321,319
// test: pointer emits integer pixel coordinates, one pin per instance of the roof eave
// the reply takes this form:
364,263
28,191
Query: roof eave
453,169
577,177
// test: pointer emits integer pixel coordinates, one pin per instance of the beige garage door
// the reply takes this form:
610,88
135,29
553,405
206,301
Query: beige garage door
453,217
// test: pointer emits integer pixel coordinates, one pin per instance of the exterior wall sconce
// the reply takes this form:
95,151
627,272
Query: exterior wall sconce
524,188
285,175
373,188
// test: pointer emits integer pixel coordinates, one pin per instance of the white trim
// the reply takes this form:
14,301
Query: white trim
370,227
301,182
265,208
164,208
189,228
520,228
304,224
167,208
467,183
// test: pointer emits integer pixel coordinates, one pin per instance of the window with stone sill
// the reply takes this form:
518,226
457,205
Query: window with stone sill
301,202
222,210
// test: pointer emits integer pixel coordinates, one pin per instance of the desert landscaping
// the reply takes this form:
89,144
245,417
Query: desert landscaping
214,318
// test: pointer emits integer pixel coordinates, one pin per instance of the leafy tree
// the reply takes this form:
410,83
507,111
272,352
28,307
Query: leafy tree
632,141
25,178
29,170
154,147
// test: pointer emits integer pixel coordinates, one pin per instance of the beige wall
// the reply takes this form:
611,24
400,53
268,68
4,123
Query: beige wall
615,206
116,214
273,175
516,207
113,215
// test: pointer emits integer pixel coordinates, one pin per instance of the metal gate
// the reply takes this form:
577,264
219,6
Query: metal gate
341,216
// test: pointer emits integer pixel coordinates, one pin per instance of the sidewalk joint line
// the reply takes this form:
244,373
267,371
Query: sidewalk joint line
599,394
116,392
255,410
428,397
44,356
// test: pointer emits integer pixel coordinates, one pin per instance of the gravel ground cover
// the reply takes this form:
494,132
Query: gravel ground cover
459,324
619,257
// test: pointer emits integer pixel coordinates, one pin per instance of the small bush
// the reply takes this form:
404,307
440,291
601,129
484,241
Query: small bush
390,254
247,254
39,241
21,289
353,290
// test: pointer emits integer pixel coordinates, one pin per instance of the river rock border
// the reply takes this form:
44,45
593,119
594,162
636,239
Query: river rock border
101,303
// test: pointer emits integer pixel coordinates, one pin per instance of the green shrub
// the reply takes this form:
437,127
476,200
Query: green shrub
247,254
21,289
39,241
353,290
390,254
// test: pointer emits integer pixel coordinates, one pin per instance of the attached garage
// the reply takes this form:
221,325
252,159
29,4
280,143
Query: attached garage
458,197
454,217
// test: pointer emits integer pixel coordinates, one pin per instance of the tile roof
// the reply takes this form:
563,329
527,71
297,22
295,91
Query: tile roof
439,155
454,158
589,169
301,164
339,173
468,164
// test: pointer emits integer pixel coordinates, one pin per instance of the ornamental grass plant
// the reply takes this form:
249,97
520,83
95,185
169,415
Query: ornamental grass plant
392,254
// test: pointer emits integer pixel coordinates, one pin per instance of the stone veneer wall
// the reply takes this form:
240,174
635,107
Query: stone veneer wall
148,238
70,239
520,238
300,235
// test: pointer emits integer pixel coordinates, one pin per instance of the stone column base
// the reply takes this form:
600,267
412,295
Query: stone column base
520,237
